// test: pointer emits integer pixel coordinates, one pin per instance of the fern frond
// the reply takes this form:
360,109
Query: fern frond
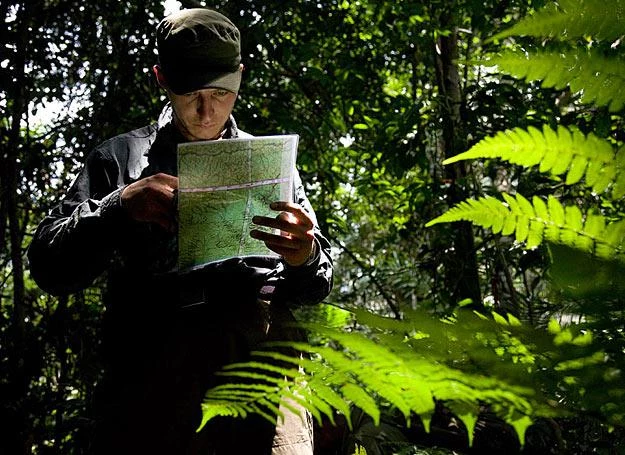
599,79
486,212
556,152
239,401
412,377
390,386
537,221
570,19
321,402
468,413
318,382
362,372
619,186
385,364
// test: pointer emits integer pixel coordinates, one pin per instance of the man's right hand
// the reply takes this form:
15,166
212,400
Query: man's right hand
151,199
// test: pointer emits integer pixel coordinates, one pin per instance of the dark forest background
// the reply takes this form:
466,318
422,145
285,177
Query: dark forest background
381,94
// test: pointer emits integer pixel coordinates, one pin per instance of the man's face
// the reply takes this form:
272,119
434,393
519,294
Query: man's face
202,115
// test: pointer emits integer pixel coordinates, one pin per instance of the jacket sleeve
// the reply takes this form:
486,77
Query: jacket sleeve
310,283
74,244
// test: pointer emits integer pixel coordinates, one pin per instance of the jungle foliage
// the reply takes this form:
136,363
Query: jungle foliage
564,366
465,158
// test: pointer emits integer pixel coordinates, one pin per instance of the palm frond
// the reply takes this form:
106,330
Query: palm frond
570,19
562,151
598,78
533,222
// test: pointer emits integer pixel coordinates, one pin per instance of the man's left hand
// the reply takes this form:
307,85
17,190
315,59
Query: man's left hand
296,240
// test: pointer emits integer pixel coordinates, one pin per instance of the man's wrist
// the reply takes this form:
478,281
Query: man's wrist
313,258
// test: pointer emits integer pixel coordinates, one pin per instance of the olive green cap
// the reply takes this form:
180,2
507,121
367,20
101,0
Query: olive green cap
199,48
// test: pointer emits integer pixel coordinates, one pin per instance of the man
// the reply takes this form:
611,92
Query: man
166,333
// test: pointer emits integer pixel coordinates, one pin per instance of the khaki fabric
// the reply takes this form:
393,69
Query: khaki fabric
294,433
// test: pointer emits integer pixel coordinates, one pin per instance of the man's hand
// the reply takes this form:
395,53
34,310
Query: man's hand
152,200
296,240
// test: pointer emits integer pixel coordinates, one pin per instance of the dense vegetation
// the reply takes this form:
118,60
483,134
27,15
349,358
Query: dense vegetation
464,156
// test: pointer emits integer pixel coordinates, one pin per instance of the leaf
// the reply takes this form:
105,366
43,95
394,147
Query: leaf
594,225
481,211
573,217
596,77
535,234
576,170
566,150
468,413
555,210
542,213
571,19
554,326
533,223
521,424
522,228
499,319
363,400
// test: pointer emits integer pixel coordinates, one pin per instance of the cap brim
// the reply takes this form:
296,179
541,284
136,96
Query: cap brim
188,81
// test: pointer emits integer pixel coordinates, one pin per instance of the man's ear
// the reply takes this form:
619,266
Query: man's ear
160,77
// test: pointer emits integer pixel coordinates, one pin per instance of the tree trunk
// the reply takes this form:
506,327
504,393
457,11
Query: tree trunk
461,276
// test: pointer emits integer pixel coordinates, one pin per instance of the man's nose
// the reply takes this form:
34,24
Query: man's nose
205,107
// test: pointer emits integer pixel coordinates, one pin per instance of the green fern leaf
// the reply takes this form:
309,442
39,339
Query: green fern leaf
522,228
598,78
539,224
575,233
377,356
468,413
266,414
573,218
606,176
324,396
521,424
577,169
366,350
522,219
551,150
560,146
239,400
298,395
535,234
556,210
511,145
363,400
264,400
509,225
557,152
480,212
328,400
364,367
614,237
570,19
525,206
619,186
533,223
221,409
542,212
594,225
